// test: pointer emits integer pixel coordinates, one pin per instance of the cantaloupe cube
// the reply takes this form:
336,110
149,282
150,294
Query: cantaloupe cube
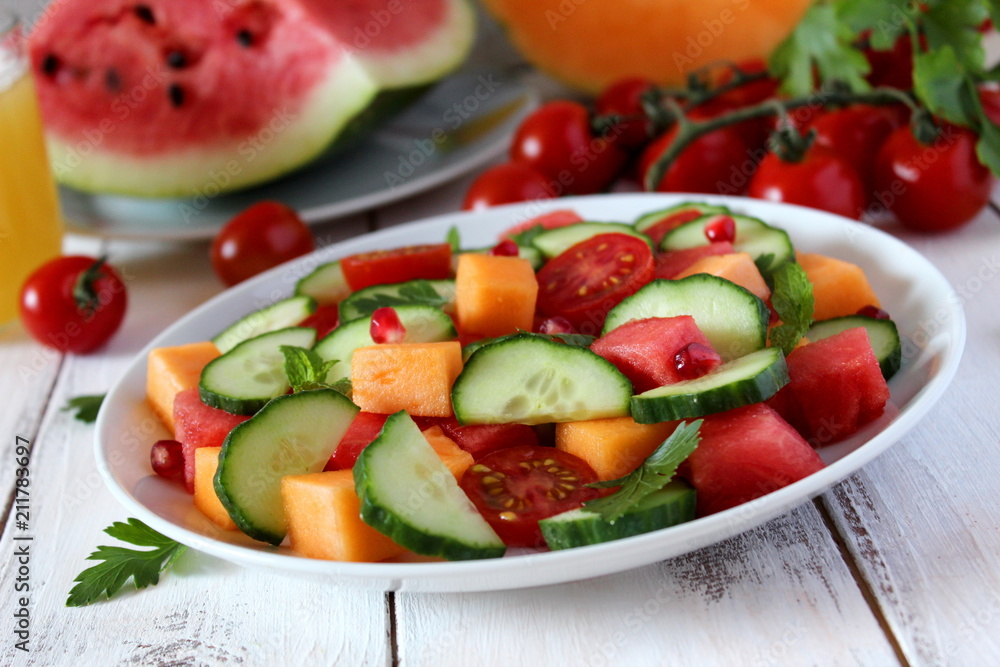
324,519
839,287
415,377
457,459
737,267
206,462
613,447
494,296
171,370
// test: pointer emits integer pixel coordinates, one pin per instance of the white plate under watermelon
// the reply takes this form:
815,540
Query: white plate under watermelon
908,285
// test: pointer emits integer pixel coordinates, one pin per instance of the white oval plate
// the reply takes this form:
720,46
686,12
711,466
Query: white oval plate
919,298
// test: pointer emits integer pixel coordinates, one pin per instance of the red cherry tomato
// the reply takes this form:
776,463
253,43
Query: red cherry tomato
590,278
932,188
556,140
893,67
820,180
73,304
261,237
379,267
752,92
506,184
624,98
533,483
989,97
856,133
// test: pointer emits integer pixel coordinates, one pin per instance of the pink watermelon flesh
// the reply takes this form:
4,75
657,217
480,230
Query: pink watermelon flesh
644,350
198,425
669,264
836,387
374,27
744,454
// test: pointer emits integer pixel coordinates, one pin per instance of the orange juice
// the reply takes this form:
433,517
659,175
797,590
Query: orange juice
30,226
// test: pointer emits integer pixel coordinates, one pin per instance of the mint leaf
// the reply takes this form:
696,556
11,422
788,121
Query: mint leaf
305,369
86,407
454,239
528,235
344,386
119,564
792,299
419,292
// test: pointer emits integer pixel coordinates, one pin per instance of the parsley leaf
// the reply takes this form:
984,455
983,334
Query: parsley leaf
305,369
120,564
654,473
86,407
420,292
793,301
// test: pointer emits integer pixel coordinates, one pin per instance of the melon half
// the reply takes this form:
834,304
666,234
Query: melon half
176,98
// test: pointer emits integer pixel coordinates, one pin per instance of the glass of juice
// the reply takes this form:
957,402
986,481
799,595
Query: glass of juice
30,224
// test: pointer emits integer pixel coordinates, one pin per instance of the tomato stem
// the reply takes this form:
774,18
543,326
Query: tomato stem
85,291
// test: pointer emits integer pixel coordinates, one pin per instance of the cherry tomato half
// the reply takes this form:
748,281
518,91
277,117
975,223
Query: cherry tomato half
513,488
379,267
261,237
822,180
505,184
73,304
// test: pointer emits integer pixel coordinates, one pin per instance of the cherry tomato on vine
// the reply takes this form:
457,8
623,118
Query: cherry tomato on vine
624,97
893,67
556,139
73,304
989,97
751,92
934,187
505,184
856,133
261,237
821,180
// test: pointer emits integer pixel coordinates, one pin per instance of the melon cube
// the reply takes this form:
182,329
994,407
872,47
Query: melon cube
494,295
416,377
171,370
199,425
839,288
613,447
206,462
324,519
454,457
737,267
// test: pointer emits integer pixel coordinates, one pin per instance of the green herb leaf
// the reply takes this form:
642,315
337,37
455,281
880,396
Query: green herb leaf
120,564
418,292
943,85
654,473
792,299
454,239
305,369
955,24
528,235
344,386
886,19
86,407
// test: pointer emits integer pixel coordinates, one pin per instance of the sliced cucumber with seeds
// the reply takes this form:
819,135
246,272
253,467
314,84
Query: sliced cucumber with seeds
437,293
326,284
408,494
769,246
242,380
281,315
527,379
883,334
423,324
751,379
294,434
732,318
530,253
556,241
671,505
644,222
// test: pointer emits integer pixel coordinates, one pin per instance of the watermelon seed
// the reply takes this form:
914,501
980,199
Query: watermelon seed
245,38
113,80
50,64
145,14
176,94
176,60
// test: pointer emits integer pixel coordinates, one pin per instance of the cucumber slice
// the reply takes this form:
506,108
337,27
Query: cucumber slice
883,334
769,246
294,434
554,242
326,284
671,505
732,318
423,324
644,222
242,380
408,494
530,253
437,293
281,315
527,379
751,379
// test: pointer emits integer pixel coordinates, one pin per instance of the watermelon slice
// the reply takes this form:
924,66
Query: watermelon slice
670,264
198,425
195,98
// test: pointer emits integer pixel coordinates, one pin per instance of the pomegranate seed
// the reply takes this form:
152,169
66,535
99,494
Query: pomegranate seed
695,360
874,311
386,327
722,228
556,325
505,248
167,458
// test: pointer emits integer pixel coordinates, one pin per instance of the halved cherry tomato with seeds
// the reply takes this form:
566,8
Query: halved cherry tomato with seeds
380,267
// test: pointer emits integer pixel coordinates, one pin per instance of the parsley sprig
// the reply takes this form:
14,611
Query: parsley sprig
792,299
85,407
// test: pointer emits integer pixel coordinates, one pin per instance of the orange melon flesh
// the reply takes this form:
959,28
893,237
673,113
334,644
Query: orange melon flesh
206,462
324,519
416,377
737,267
454,457
839,288
171,370
494,296
613,447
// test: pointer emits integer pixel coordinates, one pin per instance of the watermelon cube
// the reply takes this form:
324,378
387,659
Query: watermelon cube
198,425
363,430
744,454
836,387
669,264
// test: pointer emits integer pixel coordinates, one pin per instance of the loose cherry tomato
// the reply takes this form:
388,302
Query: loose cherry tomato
624,98
556,140
590,278
820,180
513,488
856,133
506,184
379,267
73,304
261,237
935,187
